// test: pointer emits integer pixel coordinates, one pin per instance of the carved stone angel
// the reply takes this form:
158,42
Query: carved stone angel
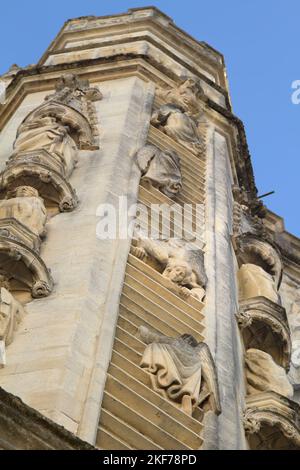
179,117
182,267
160,168
181,369
11,313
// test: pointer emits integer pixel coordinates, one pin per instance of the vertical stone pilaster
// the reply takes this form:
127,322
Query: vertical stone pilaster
225,431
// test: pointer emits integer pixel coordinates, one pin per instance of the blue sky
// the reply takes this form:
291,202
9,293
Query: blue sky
259,40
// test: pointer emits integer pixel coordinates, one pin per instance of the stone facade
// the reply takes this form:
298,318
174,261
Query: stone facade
163,339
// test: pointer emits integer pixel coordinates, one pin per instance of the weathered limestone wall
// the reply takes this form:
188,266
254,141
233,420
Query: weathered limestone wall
59,360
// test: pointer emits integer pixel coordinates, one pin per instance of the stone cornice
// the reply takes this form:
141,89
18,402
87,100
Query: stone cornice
42,78
139,17
21,427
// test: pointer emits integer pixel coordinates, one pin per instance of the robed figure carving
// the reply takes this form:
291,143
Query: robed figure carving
161,169
182,370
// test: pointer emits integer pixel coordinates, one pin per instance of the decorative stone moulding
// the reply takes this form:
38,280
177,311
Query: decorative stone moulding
251,249
264,326
272,422
23,265
50,184
182,370
72,105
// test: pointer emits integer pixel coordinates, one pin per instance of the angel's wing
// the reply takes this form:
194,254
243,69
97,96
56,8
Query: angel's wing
196,261
209,375
144,157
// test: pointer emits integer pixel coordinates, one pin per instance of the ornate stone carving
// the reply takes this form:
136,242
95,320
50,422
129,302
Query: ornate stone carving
11,313
180,117
264,375
45,133
265,326
71,106
181,266
25,205
251,249
160,168
51,185
272,421
24,266
182,370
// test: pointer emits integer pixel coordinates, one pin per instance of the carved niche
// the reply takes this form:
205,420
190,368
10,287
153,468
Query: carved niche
182,115
272,422
11,314
260,270
181,266
47,142
182,370
264,326
160,169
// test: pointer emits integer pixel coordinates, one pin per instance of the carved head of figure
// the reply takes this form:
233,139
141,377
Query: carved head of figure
23,191
178,271
190,92
190,340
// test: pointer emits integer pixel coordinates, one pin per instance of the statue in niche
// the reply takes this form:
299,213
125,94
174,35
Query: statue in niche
48,134
183,267
11,313
24,204
160,168
180,117
181,369
254,281
264,375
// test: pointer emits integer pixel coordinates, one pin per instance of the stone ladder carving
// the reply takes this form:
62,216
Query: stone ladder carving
37,176
163,290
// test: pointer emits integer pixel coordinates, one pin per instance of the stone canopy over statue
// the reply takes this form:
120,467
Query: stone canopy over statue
181,369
